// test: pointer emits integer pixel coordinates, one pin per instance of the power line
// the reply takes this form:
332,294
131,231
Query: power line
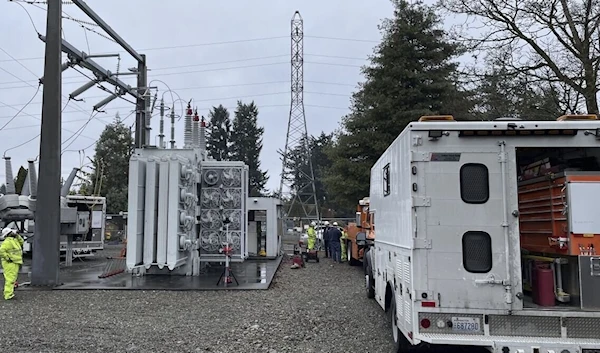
344,39
337,57
64,122
80,130
200,71
33,73
20,110
232,42
199,109
223,86
182,46
33,138
21,144
37,118
95,142
220,62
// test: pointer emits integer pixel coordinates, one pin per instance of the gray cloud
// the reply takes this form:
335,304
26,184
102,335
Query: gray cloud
181,41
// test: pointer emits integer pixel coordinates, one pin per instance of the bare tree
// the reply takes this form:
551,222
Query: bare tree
556,42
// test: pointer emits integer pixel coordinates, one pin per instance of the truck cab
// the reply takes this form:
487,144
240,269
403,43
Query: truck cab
361,233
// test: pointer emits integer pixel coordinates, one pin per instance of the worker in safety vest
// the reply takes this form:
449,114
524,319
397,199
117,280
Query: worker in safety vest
11,256
312,236
343,239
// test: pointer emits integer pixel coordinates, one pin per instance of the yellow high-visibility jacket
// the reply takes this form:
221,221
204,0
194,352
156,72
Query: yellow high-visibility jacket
11,249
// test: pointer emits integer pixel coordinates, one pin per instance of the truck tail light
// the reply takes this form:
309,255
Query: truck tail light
425,323
428,304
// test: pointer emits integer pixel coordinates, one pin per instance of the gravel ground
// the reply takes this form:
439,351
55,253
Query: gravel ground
320,308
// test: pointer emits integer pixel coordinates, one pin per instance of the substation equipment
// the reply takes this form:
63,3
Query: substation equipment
82,218
185,209
264,225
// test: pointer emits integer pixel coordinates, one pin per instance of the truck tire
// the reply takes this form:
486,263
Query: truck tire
401,344
351,261
365,260
370,283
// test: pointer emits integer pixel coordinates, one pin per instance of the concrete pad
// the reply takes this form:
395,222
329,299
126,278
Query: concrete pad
251,275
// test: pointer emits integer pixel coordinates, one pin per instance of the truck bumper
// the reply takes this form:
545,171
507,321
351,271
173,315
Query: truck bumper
514,344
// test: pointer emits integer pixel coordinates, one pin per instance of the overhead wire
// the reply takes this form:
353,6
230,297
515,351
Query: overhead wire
34,74
217,69
218,63
31,139
184,46
204,108
224,86
199,71
28,14
79,131
93,143
20,110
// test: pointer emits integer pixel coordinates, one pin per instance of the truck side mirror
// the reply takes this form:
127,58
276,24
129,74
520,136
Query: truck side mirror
361,238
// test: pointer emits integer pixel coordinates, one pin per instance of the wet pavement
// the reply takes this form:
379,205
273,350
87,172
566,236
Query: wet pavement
250,275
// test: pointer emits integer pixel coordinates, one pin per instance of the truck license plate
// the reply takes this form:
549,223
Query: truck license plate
465,324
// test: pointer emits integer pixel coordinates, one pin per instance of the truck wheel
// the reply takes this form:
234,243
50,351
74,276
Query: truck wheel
393,318
365,260
370,283
401,344
351,260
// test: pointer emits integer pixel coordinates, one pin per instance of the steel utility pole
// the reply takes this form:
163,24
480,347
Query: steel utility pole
46,243
298,188
140,106
140,119
46,246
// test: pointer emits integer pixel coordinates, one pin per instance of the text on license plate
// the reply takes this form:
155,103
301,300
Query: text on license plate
465,324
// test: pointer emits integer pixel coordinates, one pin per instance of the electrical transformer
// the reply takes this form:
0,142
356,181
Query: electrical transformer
185,209
223,217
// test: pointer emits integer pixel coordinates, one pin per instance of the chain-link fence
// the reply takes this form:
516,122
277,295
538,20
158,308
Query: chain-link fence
116,228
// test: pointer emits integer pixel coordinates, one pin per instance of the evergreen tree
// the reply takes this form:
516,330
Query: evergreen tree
318,147
246,145
219,133
410,75
109,175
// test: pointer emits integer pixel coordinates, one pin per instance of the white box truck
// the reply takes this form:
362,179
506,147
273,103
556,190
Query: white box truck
450,261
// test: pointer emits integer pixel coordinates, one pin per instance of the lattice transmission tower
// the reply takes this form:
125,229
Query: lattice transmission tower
297,189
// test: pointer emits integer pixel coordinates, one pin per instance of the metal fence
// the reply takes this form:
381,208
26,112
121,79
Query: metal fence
116,228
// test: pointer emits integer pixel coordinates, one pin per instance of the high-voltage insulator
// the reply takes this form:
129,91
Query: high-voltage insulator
173,127
10,181
195,123
187,129
161,129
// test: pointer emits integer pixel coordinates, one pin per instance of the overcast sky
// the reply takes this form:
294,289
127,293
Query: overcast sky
206,51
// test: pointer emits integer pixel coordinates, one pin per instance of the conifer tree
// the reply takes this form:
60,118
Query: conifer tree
410,75
246,145
219,133
110,172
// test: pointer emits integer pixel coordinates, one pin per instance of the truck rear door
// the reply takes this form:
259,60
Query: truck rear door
464,216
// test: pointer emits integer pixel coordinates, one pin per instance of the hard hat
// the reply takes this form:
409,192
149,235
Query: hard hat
6,231
313,224
326,223
335,224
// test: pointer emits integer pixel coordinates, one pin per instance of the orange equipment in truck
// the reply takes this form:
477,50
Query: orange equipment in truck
556,213
557,222
364,224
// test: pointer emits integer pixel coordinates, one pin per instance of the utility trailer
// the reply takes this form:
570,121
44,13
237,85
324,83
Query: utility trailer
455,234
